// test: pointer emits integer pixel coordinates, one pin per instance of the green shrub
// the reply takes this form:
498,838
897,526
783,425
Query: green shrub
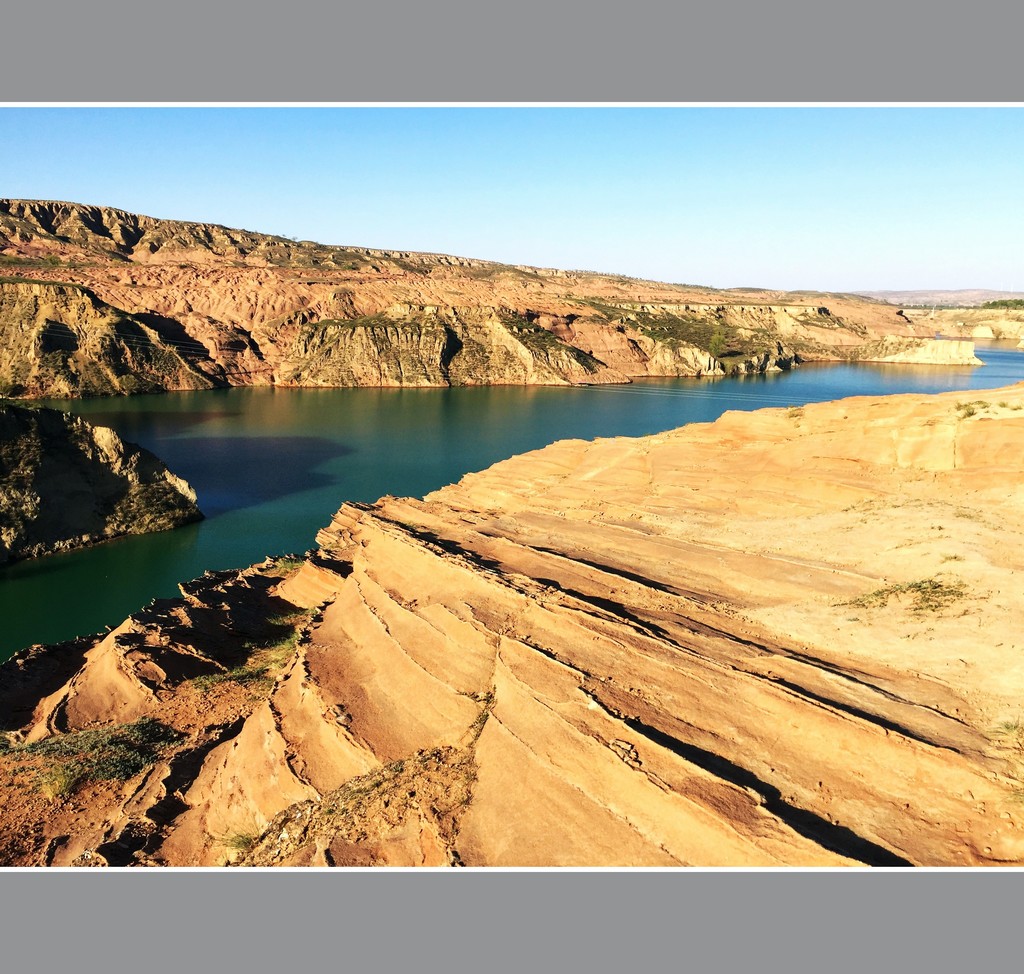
106,754
1012,303
718,344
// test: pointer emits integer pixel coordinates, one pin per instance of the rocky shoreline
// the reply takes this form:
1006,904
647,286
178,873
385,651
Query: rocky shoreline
65,483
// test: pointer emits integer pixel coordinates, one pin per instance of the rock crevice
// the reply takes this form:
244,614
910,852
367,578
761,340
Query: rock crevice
619,652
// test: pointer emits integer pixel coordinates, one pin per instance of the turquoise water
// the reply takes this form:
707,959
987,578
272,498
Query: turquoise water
271,466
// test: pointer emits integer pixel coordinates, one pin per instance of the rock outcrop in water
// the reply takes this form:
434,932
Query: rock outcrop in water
65,483
130,303
790,637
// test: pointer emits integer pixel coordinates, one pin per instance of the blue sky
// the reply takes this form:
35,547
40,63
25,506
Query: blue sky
832,197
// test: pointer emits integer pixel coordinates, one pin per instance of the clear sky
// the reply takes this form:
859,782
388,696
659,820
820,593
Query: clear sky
833,198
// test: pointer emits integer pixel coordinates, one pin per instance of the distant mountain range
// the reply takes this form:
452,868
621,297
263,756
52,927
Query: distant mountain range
963,298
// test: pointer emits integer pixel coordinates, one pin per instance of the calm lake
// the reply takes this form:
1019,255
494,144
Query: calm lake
271,466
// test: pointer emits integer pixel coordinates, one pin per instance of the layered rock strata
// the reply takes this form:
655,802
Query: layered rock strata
901,351
62,341
99,301
790,637
1005,323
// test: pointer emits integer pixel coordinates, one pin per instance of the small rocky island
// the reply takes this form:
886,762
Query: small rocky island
65,483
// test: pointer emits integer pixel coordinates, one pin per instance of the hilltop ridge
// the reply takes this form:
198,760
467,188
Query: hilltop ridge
961,297
237,307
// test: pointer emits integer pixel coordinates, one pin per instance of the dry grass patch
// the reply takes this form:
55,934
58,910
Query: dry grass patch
60,764
267,656
1008,737
925,595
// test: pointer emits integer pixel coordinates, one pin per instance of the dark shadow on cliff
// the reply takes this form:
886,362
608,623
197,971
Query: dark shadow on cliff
173,334
34,675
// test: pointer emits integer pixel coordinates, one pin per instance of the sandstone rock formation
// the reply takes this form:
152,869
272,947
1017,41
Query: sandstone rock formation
790,637
131,303
934,351
972,322
60,340
65,483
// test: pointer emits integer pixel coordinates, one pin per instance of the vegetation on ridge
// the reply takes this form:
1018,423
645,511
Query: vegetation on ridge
1015,304
116,753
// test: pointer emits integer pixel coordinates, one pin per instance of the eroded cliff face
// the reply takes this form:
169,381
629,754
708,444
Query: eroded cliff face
790,637
974,322
901,351
235,307
61,341
65,483
433,346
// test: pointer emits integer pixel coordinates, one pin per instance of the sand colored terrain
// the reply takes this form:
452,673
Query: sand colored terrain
98,301
925,352
789,637
974,322
963,297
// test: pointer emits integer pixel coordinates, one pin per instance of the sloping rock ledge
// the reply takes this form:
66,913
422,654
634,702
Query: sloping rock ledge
790,637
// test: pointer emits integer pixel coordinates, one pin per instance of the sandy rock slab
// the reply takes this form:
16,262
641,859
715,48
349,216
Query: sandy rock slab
786,638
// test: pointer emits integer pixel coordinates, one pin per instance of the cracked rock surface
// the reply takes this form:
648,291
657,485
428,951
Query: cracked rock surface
790,637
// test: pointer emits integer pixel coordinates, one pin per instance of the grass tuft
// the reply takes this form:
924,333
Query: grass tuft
266,655
966,409
115,753
1011,729
286,564
240,674
239,841
926,595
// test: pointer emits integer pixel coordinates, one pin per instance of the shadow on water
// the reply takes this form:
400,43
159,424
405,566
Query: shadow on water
131,551
232,473
138,426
